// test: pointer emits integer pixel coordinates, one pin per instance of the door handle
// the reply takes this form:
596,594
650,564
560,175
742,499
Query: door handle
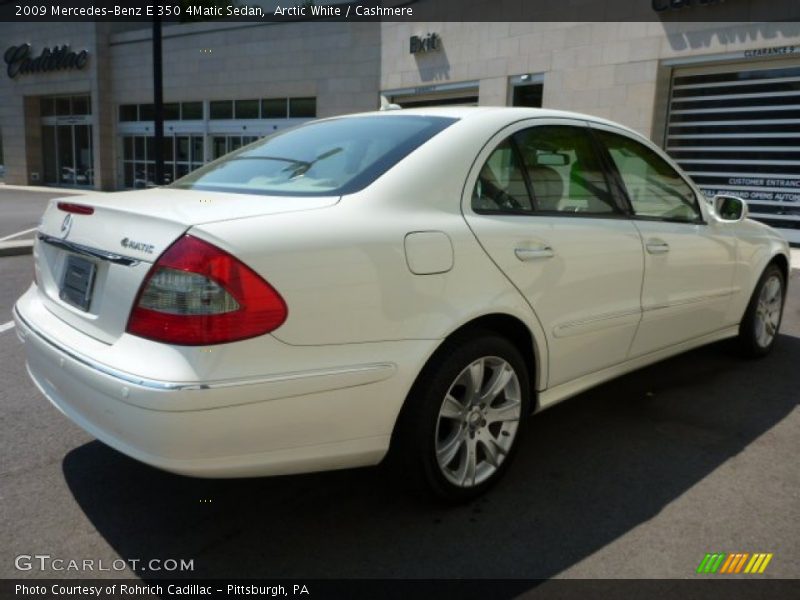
656,246
526,254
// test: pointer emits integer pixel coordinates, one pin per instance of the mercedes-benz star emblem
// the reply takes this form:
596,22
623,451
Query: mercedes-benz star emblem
66,225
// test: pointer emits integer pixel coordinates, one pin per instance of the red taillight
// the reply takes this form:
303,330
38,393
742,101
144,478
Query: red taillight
196,294
78,209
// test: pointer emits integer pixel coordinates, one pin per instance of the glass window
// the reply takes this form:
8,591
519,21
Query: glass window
221,109
151,148
501,185
302,108
246,109
49,154
654,188
166,147
191,110
197,148
47,107
218,146
128,112
139,144
273,108
65,154
172,111
84,168
338,156
182,148
128,174
146,112
139,175
127,147
528,95
63,106
81,105
564,170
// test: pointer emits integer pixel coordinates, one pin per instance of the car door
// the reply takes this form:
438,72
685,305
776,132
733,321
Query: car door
689,260
540,204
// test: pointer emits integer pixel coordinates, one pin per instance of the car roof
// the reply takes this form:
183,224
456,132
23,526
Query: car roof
513,113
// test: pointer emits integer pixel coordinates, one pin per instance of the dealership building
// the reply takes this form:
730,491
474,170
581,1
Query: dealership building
723,98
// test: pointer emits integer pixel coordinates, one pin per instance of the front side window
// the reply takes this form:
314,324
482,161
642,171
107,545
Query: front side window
333,157
565,172
654,188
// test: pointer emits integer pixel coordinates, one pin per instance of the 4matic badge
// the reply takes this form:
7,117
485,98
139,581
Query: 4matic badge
140,246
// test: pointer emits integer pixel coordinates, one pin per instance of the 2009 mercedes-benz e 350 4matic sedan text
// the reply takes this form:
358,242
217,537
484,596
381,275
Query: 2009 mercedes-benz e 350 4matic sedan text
419,280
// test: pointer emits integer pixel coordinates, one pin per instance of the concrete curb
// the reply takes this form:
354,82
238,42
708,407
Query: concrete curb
16,248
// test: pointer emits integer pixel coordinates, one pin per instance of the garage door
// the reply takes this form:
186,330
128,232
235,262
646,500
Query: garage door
461,93
736,129
435,100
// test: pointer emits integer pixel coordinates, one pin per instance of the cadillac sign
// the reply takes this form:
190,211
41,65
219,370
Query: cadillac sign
20,60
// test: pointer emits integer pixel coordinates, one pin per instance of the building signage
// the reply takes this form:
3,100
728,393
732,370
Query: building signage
429,43
774,51
20,60
662,5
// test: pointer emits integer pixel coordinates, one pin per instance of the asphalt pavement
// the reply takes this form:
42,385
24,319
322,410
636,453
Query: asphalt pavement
638,478
21,210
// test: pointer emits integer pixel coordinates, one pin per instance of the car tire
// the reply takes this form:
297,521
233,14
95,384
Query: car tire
762,319
462,421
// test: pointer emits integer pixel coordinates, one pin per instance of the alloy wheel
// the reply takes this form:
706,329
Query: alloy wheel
768,311
478,421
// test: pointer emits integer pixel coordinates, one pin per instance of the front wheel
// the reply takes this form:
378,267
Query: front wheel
464,417
761,322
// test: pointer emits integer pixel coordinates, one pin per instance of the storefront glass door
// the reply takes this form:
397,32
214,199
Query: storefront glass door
68,154
67,141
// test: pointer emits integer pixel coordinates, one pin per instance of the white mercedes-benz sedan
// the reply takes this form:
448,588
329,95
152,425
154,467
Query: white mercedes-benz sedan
414,281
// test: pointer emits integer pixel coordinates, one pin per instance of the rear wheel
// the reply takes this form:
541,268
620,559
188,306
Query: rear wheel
761,322
463,420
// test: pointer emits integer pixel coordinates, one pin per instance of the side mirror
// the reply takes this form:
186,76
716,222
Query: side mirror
731,209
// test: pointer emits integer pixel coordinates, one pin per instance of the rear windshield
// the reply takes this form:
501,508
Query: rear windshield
321,158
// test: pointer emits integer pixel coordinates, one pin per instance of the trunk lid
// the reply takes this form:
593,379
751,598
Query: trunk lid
90,267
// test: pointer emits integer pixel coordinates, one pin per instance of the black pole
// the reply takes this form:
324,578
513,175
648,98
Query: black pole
158,101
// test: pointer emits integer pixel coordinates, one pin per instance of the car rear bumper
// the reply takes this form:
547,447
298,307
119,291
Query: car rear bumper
282,423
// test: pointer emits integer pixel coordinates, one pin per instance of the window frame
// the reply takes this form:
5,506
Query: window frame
619,188
621,209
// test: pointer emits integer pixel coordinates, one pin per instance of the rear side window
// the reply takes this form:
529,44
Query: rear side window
501,185
322,158
654,188
545,169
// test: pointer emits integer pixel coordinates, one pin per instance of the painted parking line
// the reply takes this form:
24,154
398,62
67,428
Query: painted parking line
6,326
17,234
